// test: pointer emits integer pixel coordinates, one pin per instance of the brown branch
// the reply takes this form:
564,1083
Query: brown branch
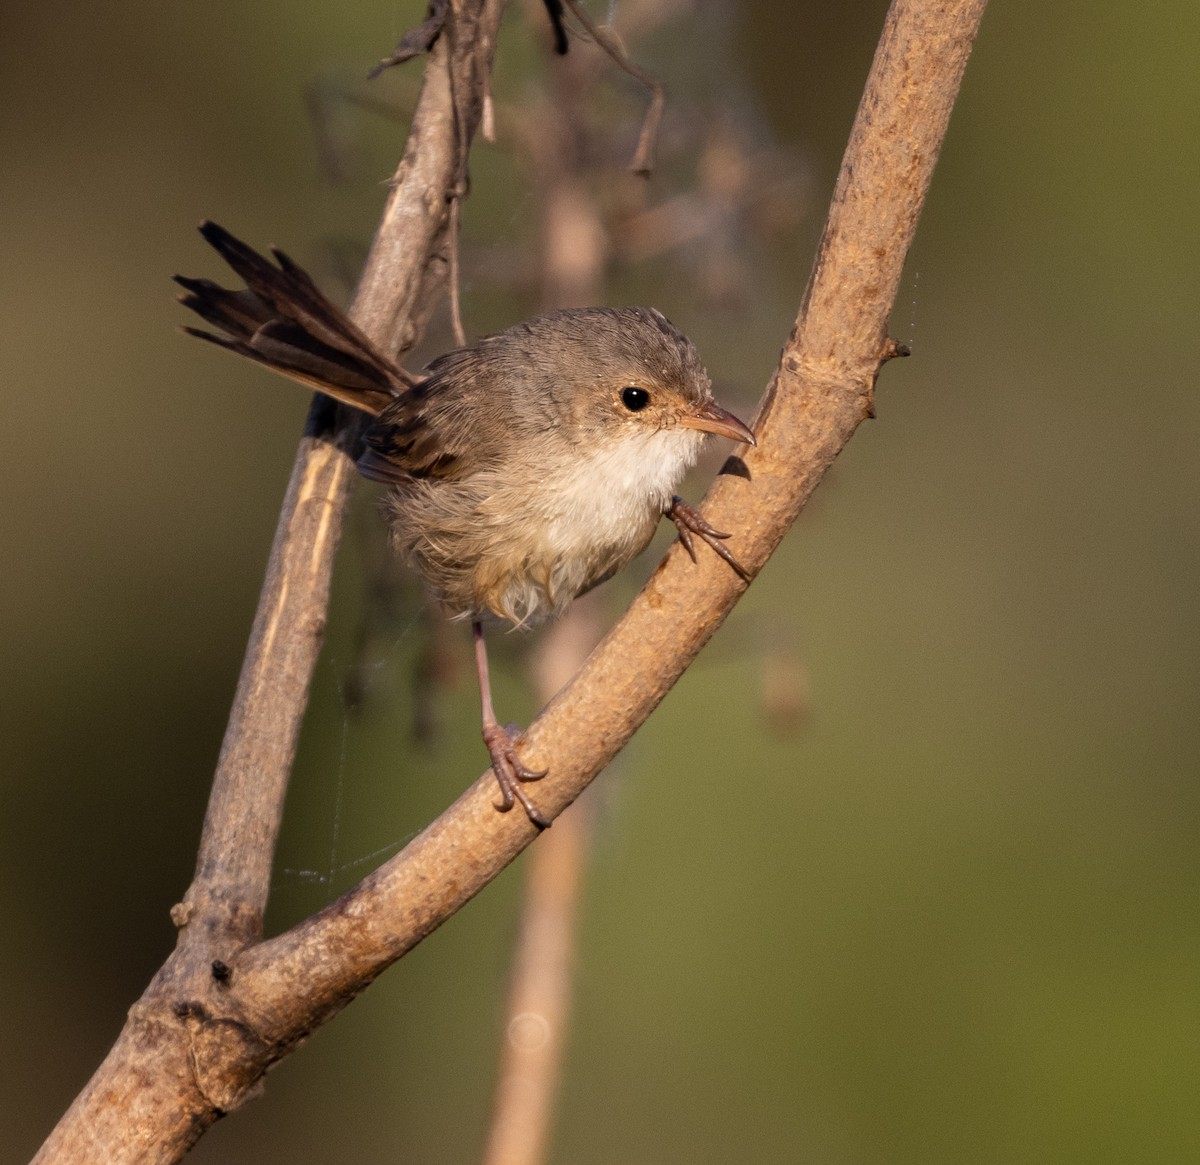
573,247
220,1012
181,1063
538,1006
822,390
403,273
539,999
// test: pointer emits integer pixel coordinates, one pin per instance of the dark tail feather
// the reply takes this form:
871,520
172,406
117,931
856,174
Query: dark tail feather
283,321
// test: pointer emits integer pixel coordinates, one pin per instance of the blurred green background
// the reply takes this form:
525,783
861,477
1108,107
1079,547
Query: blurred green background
947,912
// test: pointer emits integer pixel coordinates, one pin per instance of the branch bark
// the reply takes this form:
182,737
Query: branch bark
398,290
185,1057
225,1006
822,390
573,247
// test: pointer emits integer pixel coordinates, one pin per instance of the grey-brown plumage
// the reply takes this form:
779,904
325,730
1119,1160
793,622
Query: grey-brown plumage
520,478
519,475
523,469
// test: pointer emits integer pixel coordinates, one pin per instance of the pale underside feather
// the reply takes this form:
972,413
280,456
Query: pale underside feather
502,543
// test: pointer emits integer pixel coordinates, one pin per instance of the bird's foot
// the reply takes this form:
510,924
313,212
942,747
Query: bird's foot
690,522
511,772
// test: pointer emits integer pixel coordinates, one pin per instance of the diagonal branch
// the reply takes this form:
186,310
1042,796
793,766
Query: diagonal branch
225,1007
822,390
397,292
184,1058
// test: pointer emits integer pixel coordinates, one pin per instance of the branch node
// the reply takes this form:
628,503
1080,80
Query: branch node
417,40
181,914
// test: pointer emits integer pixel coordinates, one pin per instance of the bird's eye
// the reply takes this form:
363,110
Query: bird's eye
635,399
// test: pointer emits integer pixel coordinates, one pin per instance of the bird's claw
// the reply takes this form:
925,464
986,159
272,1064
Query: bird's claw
511,771
689,521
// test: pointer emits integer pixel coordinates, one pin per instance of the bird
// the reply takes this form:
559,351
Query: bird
522,470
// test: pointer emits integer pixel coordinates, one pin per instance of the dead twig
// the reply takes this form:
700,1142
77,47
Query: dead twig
417,40
573,246
538,1007
607,39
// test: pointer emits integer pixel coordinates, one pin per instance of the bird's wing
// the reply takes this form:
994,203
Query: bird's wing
445,426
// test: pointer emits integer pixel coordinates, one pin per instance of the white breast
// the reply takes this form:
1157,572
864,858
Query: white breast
607,495
556,529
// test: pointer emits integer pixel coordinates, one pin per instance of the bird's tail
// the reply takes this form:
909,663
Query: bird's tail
282,320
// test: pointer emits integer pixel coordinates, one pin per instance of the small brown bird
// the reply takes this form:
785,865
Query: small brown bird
523,470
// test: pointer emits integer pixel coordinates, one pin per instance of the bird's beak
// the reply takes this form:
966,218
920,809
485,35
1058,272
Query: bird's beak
711,418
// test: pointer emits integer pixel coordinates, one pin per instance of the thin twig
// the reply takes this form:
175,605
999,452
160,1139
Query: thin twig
456,322
176,1066
540,989
538,1007
487,124
417,40
607,39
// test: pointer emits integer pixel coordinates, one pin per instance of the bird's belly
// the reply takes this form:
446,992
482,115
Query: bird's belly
569,535
523,546
537,576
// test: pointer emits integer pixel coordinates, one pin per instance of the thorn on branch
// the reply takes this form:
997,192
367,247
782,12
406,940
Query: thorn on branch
417,40
554,10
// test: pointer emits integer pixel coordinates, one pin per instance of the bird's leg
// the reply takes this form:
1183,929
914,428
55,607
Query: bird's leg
688,521
506,764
